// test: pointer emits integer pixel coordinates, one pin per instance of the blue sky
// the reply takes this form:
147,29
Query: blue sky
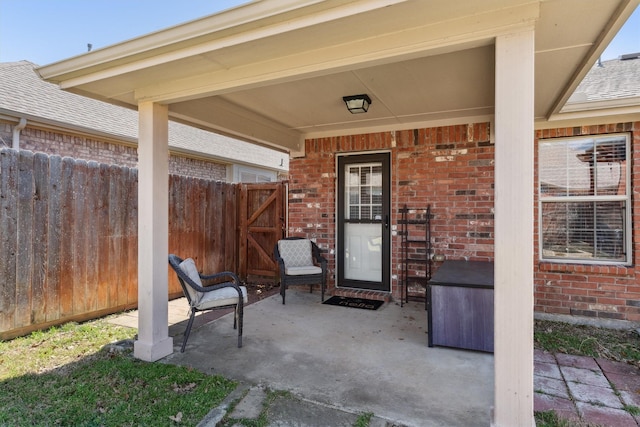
46,31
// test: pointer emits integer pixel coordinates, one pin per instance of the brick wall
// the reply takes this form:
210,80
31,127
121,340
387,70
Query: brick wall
452,169
595,291
103,151
197,168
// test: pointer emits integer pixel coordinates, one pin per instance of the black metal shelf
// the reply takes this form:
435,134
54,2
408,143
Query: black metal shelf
415,216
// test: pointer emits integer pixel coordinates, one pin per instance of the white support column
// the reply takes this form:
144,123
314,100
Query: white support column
153,233
513,292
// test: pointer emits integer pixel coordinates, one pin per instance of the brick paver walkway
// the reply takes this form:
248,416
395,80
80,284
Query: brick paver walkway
596,391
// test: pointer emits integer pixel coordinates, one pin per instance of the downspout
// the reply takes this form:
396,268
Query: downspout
16,132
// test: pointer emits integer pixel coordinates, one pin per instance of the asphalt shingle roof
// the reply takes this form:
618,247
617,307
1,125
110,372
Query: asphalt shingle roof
23,92
610,80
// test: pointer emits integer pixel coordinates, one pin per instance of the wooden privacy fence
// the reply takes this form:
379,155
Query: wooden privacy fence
68,237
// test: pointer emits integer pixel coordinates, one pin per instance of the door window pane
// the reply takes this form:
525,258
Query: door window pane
363,192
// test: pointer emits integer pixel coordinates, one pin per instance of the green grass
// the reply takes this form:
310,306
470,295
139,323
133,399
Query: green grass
550,419
45,350
363,420
64,377
557,337
632,409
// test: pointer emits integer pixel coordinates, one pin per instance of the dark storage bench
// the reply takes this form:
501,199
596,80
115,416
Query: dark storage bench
460,305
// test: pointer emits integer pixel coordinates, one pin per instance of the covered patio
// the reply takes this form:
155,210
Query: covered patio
378,363
275,72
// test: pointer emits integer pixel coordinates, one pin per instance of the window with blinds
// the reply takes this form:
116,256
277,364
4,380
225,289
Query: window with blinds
241,173
584,198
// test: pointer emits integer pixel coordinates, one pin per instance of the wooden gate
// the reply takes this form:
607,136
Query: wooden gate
262,219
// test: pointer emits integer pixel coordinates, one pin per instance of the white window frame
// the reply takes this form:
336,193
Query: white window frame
626,198
240,173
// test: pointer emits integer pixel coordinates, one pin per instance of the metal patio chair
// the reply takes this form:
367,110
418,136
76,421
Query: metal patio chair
295,257
224,294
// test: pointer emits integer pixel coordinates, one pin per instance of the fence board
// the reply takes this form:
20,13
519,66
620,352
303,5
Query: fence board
79,249
131,236
174,240
54,240
118,263
125,261
214,259
8,232
219,208
202,230
40,242
230,217
91,229
243,225
24,258
67,269
192,213
210,231
216,211
102,238
176,227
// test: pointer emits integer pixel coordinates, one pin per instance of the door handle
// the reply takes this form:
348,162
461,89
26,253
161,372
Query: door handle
386,221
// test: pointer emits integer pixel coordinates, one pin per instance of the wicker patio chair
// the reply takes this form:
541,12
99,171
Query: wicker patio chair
295,257
201,297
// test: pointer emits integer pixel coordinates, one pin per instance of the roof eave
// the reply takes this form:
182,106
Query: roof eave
602,105
616,22
591,117
241,20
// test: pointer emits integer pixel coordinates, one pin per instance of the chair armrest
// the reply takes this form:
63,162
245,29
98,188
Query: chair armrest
317,255
221,286
281,266
276,254
278,258
231,275
233,283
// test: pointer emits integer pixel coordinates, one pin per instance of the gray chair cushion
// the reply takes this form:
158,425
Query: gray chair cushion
189,267
221,297
302,271
296,253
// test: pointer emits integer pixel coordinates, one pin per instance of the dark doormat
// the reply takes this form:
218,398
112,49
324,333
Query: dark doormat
367,304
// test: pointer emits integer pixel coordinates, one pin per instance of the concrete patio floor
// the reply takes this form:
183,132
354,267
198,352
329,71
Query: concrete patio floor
350,359
340,362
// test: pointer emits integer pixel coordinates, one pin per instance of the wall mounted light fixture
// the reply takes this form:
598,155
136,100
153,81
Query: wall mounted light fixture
357,103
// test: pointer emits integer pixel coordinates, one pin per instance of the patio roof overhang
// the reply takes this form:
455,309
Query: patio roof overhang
275,72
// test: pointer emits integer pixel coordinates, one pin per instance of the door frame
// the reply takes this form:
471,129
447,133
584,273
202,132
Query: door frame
355,158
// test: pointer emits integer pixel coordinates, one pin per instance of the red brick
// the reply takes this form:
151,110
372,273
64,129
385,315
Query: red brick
462,186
